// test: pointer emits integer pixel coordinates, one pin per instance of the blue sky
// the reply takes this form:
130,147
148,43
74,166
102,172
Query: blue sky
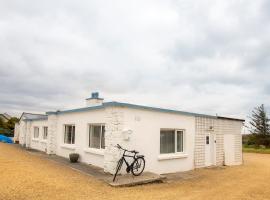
200,56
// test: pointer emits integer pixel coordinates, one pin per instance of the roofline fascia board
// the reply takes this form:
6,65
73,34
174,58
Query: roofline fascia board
118,104
134,106
157,109
230,118
38,119
76,110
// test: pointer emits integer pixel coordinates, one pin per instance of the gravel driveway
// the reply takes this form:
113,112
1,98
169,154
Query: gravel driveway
27,176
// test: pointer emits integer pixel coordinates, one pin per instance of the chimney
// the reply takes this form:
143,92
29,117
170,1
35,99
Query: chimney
94,100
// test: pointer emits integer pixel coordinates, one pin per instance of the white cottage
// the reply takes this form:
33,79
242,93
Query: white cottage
171,140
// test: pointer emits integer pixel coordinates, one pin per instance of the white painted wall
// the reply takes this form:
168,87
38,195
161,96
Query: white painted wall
22,132
229,149
145,137
16,133
38,143
137,129
81,120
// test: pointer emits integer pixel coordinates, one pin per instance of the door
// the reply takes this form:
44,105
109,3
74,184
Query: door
210,149
229,149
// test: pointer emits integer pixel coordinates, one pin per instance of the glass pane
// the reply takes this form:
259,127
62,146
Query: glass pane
65,135
167,141
180,141
103,138
72,135
95,137
89,135
45,133
68,135
36,132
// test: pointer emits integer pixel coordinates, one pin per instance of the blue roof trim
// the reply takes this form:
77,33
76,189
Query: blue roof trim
76,110
134,106
114,103
157,109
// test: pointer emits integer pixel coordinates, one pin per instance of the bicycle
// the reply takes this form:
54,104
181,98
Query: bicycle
136,167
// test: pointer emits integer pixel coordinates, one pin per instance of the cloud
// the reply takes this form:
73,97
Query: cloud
203,56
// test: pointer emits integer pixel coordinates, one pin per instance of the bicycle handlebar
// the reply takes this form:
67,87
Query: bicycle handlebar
119,147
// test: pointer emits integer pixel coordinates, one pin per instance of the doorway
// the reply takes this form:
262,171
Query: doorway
210,149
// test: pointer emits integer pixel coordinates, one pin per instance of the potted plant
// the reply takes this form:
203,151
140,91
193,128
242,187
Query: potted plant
73,157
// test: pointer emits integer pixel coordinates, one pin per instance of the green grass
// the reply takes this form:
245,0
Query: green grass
256,150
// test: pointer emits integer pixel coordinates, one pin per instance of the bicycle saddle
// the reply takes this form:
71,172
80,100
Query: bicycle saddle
140,156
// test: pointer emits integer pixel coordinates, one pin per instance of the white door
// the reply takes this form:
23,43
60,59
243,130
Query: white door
210,149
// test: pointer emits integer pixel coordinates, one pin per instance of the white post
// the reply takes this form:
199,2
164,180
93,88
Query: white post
52,128
28,134
113,136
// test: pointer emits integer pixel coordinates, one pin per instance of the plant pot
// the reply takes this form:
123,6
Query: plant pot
73,157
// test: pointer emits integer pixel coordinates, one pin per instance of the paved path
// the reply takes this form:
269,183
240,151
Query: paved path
98,173
25,175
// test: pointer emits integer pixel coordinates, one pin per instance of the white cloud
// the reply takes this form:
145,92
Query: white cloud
202,56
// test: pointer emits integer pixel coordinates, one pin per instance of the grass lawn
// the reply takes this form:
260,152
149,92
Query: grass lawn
256,150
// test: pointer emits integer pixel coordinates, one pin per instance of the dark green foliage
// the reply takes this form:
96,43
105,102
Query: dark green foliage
259,122
7,128
259,129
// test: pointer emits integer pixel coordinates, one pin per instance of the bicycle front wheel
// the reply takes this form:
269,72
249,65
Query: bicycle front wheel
138,166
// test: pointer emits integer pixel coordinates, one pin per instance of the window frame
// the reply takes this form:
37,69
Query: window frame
175,141
43,133
71,138
34,133
89,135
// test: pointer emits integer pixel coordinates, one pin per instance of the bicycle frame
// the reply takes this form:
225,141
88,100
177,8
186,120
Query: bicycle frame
129,156
123,159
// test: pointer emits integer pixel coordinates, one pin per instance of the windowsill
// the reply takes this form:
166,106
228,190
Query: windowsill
170,156
35,139
68,146
94,151
43,141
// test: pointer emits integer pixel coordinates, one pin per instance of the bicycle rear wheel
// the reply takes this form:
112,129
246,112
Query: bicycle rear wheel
119,165
138,166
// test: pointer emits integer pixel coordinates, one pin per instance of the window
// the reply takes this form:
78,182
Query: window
97,136
45,132
171,141
36,132
69,137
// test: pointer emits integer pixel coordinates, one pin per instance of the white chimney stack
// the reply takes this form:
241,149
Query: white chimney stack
94,100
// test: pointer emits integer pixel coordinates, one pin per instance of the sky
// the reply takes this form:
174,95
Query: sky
204,56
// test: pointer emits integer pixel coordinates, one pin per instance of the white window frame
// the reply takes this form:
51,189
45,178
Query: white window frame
64,135
89,135
34,132
175,154
45,127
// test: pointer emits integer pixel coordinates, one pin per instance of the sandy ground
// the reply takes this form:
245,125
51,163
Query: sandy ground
27,176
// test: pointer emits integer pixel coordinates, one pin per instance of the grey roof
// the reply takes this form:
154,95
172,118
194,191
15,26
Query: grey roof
119,104
33,116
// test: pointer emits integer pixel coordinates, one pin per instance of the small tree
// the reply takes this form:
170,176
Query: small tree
11,123
259,123
2,123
